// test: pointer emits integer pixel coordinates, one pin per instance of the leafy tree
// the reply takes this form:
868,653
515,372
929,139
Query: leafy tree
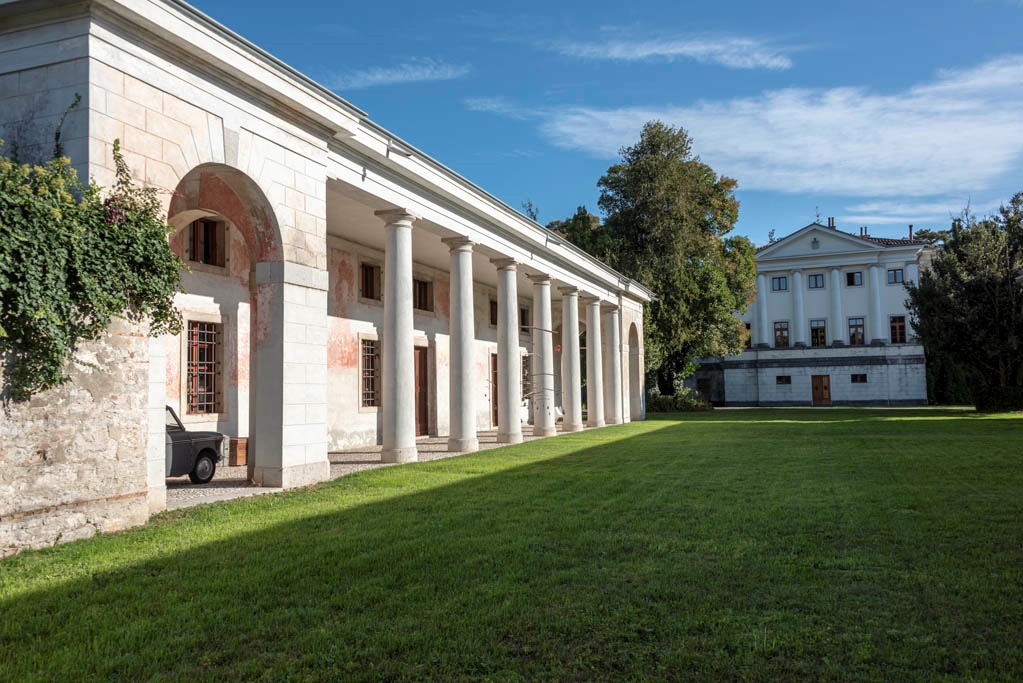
71,259
969,306
668,215
931,236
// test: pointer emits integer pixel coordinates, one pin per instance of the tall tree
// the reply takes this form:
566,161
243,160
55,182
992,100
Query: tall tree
668,217
969,305
585,231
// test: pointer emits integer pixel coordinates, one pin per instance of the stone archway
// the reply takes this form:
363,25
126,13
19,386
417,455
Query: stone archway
636,411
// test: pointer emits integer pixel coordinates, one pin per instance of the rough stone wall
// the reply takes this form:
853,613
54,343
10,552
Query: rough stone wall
72,460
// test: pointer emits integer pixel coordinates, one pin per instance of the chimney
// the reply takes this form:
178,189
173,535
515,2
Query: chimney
831,222
910,232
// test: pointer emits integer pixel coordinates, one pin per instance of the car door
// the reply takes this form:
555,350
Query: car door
180,456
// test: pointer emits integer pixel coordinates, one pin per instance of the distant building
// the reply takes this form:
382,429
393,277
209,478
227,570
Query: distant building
829,325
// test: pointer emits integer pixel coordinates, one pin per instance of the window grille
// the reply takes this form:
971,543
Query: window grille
204,394
370,373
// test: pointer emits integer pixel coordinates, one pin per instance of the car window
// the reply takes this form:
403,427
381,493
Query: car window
172,420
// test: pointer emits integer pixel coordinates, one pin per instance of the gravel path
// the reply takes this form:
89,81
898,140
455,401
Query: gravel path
231,482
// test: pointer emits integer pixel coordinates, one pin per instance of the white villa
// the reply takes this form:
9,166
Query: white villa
829,325
343,288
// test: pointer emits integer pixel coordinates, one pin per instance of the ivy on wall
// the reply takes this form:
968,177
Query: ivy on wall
73,257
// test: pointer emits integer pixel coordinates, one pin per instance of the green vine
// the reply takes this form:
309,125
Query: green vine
73,257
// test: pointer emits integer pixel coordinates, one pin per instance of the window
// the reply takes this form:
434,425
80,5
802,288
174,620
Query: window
780,284
895,276
783,379
203,373
206,242
370,281
897,324
370,373
856,333
527,383
781,335
525,325
816,281
493,313
749,336
859,379
422,295
854,279
818,333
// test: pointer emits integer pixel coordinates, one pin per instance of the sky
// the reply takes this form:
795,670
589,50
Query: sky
880,114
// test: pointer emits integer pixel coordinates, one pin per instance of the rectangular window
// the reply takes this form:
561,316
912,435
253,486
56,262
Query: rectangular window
816,281
370,281
781,335
525,325
780,284
749,336
854,279
370,373
898,329
527,378
895,276
493,313
783,379
204,367
422,295
857,337
859,379
818,333
206,242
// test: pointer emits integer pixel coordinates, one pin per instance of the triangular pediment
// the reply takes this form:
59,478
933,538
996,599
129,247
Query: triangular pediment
813,240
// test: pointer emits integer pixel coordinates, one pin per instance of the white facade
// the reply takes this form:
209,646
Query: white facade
829,325
308,201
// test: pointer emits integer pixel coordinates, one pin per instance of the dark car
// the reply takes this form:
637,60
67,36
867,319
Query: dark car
193,453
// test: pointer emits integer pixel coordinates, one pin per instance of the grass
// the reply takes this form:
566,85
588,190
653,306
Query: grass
755,545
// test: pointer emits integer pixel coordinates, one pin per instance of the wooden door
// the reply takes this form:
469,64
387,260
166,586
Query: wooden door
493,389
422,392
821,386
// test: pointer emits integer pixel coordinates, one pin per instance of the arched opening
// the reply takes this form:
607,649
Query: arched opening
221,369
636,411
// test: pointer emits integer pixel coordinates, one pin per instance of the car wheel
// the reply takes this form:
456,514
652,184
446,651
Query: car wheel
204,468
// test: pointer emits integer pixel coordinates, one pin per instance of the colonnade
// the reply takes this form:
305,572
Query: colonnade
397,361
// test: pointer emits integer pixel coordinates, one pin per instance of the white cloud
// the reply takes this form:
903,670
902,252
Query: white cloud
414,71
955,135
734,52
496,105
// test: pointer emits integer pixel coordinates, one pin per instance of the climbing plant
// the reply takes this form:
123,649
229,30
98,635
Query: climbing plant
73,256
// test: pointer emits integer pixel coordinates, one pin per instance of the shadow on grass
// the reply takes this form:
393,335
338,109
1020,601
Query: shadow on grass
665,550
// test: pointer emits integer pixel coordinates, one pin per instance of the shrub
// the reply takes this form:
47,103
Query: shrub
685,400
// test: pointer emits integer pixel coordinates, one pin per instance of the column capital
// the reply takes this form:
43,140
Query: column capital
458,243
539,278
589,299
504,263
568,290
608,306
396,216
797,271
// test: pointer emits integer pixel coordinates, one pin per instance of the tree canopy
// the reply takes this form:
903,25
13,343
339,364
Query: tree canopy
969,305
668,215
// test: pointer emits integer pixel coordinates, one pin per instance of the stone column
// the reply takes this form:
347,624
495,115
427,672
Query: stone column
760,324
594,365
878,334
838,330
614,411
397,391
462,386
571,371
799,310
509,382
542,364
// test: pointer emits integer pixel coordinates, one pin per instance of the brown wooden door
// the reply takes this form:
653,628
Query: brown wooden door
821,386
493,389
422,392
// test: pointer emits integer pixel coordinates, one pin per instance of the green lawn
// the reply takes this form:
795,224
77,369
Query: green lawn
752,544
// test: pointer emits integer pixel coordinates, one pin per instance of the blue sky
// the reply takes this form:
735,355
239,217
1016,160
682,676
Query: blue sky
877,113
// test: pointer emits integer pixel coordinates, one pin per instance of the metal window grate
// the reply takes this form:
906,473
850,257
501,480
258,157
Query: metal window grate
370,373
204,392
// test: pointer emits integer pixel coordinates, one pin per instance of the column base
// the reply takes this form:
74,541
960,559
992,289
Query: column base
410,454
509,437
463,445
799,345
616,421
569,427
544,431
877,342
291,476
596,423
